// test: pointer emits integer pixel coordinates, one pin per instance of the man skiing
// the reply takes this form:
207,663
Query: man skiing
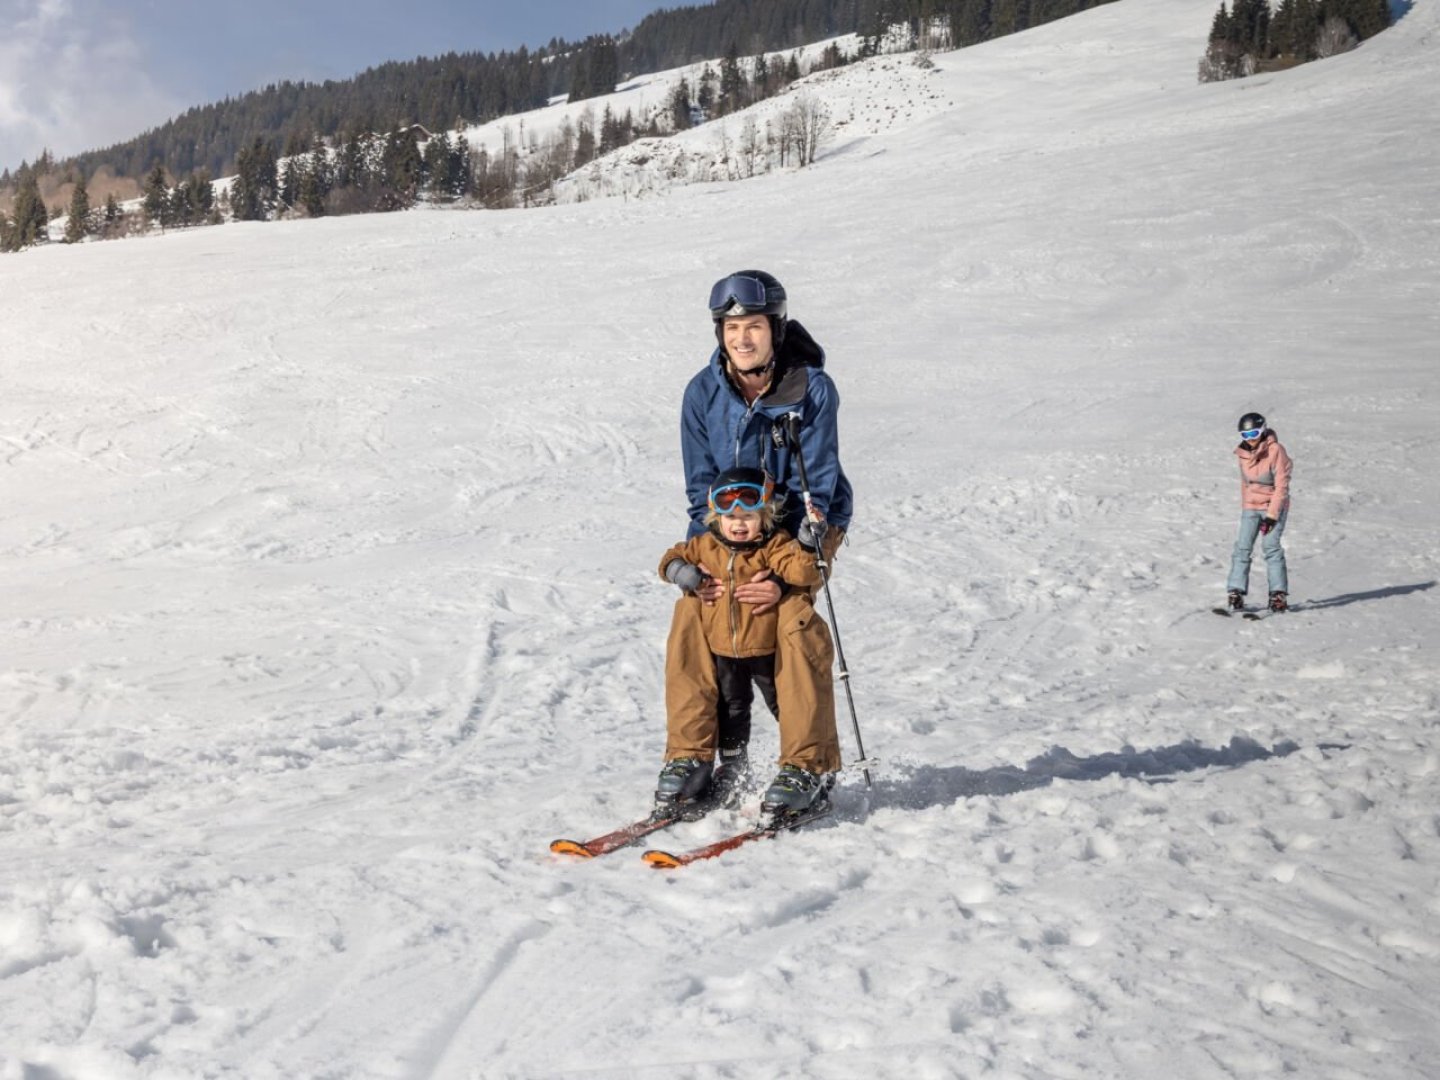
765,369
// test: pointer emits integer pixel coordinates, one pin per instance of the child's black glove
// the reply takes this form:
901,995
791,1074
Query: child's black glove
1268,524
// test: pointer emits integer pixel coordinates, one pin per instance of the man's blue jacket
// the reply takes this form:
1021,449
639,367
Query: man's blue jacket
719,431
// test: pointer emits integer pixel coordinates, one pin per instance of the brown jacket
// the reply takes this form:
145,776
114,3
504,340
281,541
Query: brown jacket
733,628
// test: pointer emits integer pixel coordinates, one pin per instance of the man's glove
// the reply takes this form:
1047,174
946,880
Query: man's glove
687,575
1266,525
810,534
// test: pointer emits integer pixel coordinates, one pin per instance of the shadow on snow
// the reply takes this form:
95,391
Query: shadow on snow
930,785
1373,594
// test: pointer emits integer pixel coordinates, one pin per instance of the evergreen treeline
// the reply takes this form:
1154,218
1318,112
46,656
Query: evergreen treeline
473,88
1249,36
364,144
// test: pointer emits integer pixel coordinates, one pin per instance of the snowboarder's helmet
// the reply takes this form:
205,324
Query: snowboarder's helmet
749,292
1251,421
748,489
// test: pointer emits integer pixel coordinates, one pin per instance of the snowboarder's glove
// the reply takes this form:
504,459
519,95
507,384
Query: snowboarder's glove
687,575
810,534
1266,525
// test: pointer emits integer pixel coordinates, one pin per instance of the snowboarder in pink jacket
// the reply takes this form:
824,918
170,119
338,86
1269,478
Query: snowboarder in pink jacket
1264,507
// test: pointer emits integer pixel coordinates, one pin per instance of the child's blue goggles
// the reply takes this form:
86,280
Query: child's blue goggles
734,497
1253,433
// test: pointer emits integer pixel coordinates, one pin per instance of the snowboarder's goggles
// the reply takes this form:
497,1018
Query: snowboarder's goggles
1252,433
738,290
732,497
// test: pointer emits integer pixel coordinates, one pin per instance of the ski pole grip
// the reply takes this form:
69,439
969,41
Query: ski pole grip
792,428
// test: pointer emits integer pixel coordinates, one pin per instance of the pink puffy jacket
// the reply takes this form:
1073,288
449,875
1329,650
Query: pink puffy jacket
1264,475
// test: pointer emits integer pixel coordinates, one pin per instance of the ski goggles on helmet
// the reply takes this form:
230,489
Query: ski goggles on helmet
732,497
1252,433
738,294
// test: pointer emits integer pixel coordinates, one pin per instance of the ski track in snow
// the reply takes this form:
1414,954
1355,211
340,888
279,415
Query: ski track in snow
329,563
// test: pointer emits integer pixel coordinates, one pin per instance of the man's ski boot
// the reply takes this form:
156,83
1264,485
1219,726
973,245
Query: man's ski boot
731,779
684,785
796,793
1235,601
1279,602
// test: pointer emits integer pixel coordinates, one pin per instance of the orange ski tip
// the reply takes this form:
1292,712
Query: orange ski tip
571,847
661,860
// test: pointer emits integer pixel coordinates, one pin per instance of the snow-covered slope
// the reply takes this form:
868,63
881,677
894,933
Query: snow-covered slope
327,554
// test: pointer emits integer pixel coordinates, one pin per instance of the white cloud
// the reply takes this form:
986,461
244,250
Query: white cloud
72,78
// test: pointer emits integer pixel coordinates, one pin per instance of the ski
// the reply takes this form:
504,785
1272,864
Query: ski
665,860
662,817
619,838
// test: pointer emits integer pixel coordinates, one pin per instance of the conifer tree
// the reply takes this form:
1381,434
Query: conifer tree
157,195
580,77
1009,16
1366,18
609,132
402,169
202,190
732,83
78,227
760,77
316,179
585,140
179,208
437,166
29,223
605,67
461,180
252,195
970,22
707,91
290,173
680,106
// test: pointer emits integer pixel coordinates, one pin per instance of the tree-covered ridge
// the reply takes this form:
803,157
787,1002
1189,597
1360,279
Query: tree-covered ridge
473,88
1247,36
366,144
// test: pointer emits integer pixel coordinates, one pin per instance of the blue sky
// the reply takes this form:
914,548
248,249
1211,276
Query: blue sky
78,75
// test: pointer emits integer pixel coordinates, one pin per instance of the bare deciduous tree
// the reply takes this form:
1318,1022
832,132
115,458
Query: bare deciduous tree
803,127
749,146
1335,37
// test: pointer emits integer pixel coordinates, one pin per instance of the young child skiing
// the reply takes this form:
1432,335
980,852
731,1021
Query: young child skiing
740,544
1264,506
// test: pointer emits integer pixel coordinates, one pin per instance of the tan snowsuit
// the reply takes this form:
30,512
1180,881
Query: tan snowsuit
792,629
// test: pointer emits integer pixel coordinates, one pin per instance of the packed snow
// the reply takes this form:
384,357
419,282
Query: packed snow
328,556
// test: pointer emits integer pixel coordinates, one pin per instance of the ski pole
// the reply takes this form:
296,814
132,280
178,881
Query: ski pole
791,431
